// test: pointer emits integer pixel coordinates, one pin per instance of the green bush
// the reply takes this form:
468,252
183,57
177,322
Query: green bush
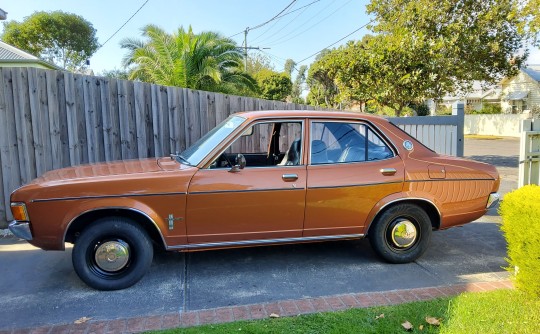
489,108
443,110
520,211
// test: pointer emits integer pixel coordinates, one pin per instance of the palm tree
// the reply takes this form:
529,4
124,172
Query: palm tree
205,61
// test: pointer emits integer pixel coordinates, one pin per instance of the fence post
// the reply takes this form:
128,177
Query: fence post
458,109
529,153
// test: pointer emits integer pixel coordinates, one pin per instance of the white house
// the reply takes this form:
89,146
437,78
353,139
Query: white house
522,92
476,98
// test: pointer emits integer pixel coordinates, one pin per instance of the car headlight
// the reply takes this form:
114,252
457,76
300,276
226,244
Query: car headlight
19,211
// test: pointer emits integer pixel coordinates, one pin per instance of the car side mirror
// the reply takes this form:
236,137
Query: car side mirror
239,163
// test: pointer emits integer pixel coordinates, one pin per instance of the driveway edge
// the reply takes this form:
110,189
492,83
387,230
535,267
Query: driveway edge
263,310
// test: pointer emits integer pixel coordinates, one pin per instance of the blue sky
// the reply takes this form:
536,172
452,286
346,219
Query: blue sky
297,35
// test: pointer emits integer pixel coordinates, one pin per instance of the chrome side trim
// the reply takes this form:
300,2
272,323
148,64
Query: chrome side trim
242,191
446,180
21,230
118,208
354,185
401,200
265,241
102,196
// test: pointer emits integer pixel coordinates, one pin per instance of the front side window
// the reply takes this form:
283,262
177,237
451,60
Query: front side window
265,144
339,142
194,154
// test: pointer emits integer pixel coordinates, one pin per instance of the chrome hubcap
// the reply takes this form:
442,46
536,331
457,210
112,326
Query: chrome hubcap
112,255
404,233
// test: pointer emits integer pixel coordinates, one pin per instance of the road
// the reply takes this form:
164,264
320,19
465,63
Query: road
41,287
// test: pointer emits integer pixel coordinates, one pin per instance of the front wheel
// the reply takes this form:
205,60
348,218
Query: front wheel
401,234
112,253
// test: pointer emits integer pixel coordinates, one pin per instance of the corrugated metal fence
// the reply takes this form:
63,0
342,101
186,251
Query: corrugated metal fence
53,119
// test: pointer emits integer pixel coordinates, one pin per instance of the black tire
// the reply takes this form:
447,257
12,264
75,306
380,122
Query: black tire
401,233
112,253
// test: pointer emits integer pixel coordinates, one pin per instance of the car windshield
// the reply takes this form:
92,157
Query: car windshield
202,147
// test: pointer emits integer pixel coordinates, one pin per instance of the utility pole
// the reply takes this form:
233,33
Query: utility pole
245,49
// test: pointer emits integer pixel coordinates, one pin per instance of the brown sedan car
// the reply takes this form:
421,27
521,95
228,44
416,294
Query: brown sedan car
258,178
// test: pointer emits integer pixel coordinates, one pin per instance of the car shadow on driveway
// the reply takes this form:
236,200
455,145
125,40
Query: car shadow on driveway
43,288
265,274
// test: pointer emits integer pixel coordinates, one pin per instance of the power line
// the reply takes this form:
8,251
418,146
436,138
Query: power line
122,26
275,17
264,23
283,15
287,24
285,39
329,46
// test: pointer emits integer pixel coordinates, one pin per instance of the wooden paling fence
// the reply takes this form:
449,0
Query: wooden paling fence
54,119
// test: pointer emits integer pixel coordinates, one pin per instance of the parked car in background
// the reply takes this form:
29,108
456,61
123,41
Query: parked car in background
258,178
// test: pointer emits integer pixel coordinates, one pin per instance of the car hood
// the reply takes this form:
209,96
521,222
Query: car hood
107,169
119,178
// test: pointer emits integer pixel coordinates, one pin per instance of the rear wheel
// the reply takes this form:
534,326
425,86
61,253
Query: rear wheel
112,253
401,234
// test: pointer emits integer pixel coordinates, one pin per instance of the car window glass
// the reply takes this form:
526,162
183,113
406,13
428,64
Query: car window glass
266,144
202,147
339,142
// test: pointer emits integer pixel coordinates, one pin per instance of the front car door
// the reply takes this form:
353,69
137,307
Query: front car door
351,168
261,203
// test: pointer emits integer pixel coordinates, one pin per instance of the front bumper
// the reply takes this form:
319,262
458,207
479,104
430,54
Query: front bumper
492,200
21,230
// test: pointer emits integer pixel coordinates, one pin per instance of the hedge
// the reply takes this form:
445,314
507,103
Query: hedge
520,212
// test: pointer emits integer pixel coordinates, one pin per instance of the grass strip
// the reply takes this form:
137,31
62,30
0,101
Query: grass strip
501,311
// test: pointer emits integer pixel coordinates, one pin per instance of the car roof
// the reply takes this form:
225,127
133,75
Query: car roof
310,114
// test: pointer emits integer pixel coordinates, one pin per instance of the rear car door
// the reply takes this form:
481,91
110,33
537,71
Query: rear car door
351,168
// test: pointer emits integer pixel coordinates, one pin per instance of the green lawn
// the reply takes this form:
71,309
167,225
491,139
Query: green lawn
502,311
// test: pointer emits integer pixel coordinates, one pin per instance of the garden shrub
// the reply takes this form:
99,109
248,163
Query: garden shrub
520,211
489,108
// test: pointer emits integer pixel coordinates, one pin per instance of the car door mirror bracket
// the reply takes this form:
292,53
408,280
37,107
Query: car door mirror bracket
240,163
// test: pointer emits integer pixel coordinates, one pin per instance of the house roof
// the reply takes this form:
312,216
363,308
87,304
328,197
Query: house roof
9,53
517,95
480,90
12,53
533,71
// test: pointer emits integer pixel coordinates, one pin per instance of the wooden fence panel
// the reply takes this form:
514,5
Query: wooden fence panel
53,119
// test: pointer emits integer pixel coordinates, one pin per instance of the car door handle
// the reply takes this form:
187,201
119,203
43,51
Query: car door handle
388,171
289,177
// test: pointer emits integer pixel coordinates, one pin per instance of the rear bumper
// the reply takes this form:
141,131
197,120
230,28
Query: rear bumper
492,200
21,230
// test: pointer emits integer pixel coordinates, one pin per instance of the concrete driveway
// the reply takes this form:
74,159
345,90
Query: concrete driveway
41,288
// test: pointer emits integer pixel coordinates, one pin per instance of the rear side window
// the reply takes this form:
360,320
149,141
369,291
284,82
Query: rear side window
342,142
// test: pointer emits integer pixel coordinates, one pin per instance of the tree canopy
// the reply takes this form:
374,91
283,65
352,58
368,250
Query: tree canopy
204,61
64,39
422,49
273,85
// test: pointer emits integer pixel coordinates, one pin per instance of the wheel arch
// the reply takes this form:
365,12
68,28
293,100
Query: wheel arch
428,206
85,219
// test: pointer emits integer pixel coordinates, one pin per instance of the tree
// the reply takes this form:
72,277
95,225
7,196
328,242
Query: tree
323,90
65,39
258,62
115,74
421,50
273,85
466,39
288,67
204,61
531,20
297,88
